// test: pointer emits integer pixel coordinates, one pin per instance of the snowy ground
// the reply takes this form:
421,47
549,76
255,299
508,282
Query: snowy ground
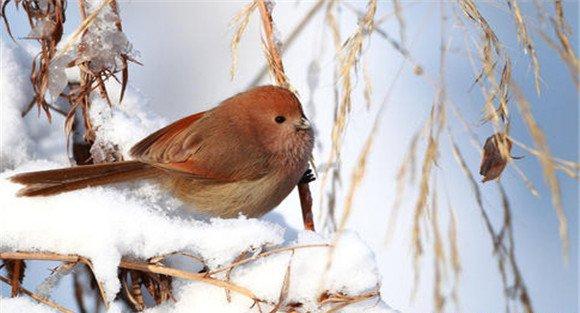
139,221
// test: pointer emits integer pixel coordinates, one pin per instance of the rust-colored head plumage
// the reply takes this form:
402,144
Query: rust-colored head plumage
273,116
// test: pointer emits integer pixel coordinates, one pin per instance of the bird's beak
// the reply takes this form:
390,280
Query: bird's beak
303,125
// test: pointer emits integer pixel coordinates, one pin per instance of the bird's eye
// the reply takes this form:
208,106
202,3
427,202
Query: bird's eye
280,119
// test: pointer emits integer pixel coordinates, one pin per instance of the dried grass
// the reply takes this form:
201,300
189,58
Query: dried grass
547,163
435,124
271,48
154,276
454,257
525,40
240,21
53,14
439,260
368,89
333,170
348,59
406,170
504,246
562,30
297,30
38,298
272,51
398,8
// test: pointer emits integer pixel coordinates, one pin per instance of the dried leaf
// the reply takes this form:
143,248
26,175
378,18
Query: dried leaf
15,270
494,160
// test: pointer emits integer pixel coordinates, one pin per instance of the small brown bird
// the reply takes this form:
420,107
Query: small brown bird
243,156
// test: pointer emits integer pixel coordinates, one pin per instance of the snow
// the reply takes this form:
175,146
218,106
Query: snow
124,124
103,44
15,91
24,304
140,221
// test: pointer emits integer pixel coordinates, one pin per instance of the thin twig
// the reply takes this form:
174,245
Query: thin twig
38,298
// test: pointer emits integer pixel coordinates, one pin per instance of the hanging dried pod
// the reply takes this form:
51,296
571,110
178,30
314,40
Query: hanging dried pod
496,154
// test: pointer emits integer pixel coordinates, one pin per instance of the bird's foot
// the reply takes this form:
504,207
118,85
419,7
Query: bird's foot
308,177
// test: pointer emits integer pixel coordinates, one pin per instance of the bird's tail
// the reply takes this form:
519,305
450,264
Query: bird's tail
52,182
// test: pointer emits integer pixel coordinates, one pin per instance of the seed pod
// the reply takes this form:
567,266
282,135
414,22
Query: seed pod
496,154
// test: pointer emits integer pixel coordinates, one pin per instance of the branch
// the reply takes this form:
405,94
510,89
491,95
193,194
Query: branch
277,69
38,298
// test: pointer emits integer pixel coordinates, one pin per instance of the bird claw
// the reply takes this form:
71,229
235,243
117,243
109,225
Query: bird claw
308,177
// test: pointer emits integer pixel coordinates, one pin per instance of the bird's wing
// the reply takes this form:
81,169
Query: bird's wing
197,146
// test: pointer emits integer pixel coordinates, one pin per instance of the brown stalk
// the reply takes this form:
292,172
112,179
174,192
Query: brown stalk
265,254
285,286
567,51
78,293
547,162
525,40
15,270
439,261
38,298
241,19
329,221
276,67
343,301
348,57
504,247
271,47
287,43
436,124
454,253
132,265
406,169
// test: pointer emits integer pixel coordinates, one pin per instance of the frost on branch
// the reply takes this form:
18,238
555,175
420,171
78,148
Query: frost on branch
248,265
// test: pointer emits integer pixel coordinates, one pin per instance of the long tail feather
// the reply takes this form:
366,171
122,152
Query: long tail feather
51,182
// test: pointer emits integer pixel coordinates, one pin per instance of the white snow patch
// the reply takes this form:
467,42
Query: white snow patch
105,223
15,94
23,304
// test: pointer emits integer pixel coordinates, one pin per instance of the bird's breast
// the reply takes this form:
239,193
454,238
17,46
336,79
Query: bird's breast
252,198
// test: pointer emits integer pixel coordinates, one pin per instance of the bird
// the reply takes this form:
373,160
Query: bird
243,156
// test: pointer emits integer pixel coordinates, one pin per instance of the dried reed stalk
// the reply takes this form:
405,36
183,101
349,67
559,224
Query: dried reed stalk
525,40
131,265
562,30
46,24
273,56
570,168
343,301
38,298
333,174
297,30
79,293
240,21
271,45
504,246
547,162
15,270
439,260
402,25
139,269
406,170
452,237
436,124
347,58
